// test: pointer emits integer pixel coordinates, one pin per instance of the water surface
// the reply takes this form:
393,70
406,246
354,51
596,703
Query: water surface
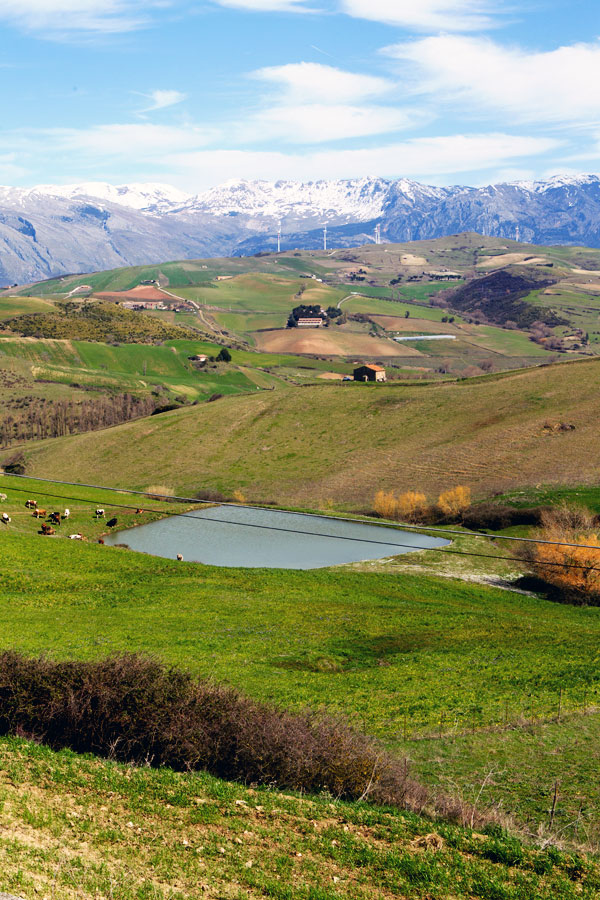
250,537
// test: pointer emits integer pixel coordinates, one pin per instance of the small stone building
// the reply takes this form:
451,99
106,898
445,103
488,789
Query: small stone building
369,372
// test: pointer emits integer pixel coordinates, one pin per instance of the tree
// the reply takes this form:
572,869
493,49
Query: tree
571,563
224,355
455,501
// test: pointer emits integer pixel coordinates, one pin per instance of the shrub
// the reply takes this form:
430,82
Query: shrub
136,710
412,506
159,491
455,501
210,495
15,464
385,504
497,516
238,496
568,565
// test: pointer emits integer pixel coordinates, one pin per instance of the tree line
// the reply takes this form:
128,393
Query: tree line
48,418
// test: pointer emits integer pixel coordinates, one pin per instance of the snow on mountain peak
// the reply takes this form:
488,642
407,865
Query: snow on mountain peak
149,197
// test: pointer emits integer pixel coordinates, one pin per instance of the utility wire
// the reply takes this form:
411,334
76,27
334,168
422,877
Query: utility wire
307,533
404,526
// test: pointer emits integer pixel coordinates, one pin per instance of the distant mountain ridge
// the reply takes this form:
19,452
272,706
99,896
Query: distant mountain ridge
50,230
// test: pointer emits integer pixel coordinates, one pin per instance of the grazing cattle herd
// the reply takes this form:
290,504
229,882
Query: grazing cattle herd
54,518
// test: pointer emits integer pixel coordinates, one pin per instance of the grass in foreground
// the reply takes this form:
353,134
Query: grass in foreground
377,647
79,827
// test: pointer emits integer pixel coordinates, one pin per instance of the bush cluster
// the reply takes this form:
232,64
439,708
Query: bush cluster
136,710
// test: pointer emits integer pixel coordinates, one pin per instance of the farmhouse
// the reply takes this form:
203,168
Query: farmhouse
369,372
312,322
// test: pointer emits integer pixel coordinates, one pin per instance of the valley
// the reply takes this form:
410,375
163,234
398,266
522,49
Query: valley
189,379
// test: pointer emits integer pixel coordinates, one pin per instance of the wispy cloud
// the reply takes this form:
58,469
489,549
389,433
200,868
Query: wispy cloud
55,18
426,15
311,103
306,81
195,159
295,6
162,99
485,78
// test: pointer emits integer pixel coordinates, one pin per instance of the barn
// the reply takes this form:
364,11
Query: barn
369,372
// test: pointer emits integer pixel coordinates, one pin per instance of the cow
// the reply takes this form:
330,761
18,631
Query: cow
47,529
112,522
139,512
179,557
100,540
3,498
39,513
76,537
100,513
55,517
66,514
31,504
6,519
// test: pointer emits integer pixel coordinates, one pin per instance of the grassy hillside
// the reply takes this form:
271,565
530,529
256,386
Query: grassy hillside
403,655
79,827
344,442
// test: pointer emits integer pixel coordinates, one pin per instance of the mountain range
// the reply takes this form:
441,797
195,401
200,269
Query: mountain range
53,230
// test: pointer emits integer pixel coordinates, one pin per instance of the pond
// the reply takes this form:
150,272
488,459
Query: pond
252,537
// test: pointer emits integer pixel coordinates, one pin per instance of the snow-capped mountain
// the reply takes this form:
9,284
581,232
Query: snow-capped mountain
356,200
152,198
56,229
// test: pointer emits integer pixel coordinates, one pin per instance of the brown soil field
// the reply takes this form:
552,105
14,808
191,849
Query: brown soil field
509,259
420,326
141,292
327,342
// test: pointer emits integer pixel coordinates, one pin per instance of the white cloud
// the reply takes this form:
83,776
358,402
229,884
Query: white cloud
194,158
314,103
433,160
306,82
319,123
561,85
267,5
162,99
425,15
62,17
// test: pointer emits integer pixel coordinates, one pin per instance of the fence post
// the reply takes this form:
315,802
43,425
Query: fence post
559,703
404,729
441,722
506,712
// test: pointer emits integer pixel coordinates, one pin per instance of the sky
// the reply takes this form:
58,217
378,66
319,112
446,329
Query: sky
197,92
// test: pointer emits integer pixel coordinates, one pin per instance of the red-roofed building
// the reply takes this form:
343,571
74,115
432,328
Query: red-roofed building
369,372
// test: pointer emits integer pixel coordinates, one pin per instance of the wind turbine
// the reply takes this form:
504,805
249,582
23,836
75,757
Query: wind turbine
325,236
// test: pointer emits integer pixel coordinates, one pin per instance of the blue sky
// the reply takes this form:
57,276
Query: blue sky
196,92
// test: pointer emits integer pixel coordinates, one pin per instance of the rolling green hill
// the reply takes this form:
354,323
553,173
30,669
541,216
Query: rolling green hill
345,442
427,664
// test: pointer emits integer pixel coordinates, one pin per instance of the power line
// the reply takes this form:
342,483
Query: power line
404,526
415,547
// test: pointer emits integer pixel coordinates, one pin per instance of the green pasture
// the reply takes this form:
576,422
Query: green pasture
17,306
375,646
405,656
90,827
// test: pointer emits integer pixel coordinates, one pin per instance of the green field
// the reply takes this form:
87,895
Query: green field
84,827
404,656
487,433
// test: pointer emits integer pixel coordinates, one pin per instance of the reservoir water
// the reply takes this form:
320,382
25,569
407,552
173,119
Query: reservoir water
250,537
